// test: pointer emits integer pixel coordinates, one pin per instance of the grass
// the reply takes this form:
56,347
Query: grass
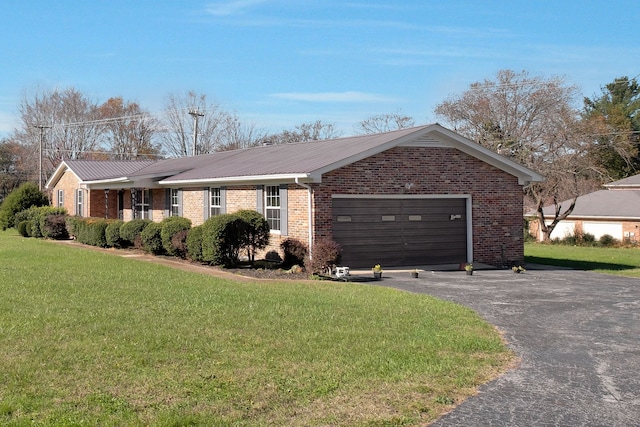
619,261
88,338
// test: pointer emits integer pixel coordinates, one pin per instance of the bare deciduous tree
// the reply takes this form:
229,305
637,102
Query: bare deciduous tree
530,120
306,132
128,130
177,129
236,135
70,119
384,123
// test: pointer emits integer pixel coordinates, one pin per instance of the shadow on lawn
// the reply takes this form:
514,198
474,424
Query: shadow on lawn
578,265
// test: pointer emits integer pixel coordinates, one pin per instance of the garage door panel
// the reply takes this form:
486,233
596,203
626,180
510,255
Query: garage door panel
400,231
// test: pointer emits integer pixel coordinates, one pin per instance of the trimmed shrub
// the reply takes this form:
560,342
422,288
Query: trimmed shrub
194,243
23,228
255,235
294,251
179,243
222,239
54,226
171,226
132,229
39,214
608,241
30,215
112,234
326,254
20,199
152,239
91,231
32,228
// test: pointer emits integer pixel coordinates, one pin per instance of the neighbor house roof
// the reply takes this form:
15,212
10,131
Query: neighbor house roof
603,204
630,182
306,161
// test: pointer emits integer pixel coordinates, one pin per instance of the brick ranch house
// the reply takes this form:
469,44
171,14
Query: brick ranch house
412,197
614,211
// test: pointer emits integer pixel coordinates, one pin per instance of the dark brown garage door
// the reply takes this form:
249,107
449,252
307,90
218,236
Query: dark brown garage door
400,232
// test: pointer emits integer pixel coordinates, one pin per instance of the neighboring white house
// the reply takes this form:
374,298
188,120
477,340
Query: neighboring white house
614,211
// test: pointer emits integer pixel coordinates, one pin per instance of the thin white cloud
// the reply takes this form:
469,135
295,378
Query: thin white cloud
234,7
7,124
349,96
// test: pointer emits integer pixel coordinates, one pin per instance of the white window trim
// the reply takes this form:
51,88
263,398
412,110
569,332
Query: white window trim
142,203
79,202
215,192
268,207
174,209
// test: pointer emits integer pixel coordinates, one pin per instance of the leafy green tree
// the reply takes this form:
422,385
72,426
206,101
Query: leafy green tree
613,122
22,198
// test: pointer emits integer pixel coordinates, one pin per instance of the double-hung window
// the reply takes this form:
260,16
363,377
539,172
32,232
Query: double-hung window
143,204
215,202
79,202
272,207
61,198
175,202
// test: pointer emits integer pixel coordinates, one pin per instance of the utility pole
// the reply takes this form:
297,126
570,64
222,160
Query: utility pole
42,128
196,114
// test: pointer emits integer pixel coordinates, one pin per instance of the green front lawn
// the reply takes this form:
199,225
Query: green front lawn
88,338
620,261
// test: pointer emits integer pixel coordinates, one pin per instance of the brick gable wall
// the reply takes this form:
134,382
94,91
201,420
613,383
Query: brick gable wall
496,195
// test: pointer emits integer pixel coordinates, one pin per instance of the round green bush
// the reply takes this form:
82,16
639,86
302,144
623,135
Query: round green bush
112,234
171,226
607,240
132,229
194,243
23,228
151,238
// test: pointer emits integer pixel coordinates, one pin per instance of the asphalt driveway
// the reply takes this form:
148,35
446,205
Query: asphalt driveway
577,334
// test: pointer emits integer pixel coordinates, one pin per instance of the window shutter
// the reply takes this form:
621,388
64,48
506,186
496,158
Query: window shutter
223,200
284,210
207,202
260,199
167,203
180,201
75,202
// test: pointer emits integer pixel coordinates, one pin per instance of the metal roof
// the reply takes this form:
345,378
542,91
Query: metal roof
302,158
91,170
305,160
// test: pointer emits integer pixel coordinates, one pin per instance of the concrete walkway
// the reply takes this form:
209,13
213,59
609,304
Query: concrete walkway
577,334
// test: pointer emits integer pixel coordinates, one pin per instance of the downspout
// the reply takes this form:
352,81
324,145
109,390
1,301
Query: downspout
309,213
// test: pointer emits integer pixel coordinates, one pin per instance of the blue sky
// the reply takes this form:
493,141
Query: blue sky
279,63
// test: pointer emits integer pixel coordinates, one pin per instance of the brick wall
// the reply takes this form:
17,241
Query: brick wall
69,184
496,195
241,197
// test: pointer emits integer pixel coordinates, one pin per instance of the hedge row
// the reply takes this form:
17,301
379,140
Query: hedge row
218,241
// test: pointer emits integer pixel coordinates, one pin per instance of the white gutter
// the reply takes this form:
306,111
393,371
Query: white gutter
309,213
